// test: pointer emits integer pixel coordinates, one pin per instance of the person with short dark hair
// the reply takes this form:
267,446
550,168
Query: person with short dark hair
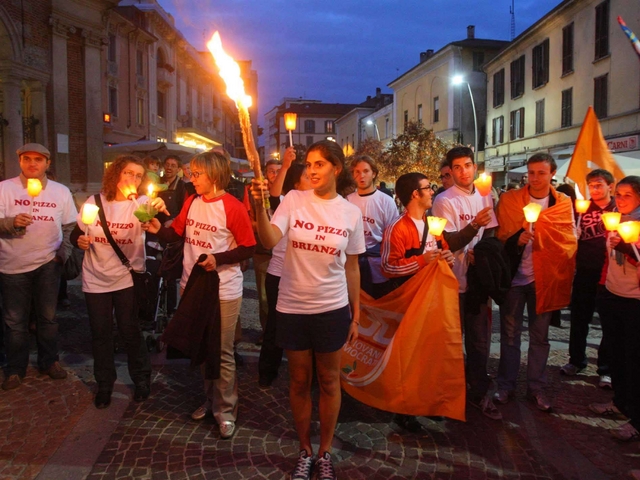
590,260
34,244
542,277
383,187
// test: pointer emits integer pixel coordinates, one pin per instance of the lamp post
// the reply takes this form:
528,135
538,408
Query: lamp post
458,80
375,128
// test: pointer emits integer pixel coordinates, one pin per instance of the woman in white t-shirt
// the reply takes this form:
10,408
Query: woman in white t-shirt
318,305
213,222
107,283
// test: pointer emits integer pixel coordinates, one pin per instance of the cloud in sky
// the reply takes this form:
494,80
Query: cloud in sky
341,50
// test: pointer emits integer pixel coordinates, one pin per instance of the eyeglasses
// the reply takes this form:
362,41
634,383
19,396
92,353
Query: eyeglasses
446,175
196,175
423,188
130,174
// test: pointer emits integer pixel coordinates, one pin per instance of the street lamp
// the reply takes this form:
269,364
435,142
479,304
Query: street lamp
375,128
459,80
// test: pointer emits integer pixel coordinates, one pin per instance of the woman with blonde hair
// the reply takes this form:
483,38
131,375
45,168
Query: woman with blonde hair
215,224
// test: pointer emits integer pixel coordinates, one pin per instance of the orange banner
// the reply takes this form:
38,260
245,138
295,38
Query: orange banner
591,152
408,358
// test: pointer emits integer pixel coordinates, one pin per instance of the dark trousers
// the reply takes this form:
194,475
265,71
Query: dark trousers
100,307
583,304
477,334
622,326
270,353
19,292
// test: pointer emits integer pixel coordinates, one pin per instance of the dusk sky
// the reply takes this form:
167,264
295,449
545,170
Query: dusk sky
340,51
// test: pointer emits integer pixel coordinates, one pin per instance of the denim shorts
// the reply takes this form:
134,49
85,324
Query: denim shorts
322,332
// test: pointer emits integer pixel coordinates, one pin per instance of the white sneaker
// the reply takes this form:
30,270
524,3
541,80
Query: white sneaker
227,430
605,382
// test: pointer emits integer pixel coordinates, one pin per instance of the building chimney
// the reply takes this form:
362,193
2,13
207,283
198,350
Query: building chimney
378,92
471,31
426,55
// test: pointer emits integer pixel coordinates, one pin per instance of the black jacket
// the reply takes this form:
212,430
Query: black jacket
489,277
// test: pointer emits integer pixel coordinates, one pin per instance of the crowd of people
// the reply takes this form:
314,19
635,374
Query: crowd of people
320,231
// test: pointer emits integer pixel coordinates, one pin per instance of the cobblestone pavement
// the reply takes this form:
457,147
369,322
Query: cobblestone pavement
50,429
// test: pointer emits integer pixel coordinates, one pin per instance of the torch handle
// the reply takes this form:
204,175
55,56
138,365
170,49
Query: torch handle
635,250
290,138
250,146
530,227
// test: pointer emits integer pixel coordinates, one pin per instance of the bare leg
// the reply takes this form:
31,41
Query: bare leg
300,371
328,368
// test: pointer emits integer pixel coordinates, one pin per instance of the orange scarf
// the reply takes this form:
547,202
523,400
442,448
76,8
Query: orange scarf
554,245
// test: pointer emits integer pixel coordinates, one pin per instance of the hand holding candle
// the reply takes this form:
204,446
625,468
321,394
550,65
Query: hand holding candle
483,184
531,214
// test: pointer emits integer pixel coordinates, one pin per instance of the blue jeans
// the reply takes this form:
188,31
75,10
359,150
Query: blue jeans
511,316
19,291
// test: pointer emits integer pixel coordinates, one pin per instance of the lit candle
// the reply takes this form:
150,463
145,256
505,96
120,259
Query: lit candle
89,213
483,184
611,220
582,205
230,73
34,187
290,124
436,225
531,214
630,232
130,191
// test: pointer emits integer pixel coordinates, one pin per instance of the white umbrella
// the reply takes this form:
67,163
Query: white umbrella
628,164
143,148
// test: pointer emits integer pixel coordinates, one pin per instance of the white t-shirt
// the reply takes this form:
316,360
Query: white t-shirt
215,226
524,275
321,234
102,270
378,212
460,208
53,208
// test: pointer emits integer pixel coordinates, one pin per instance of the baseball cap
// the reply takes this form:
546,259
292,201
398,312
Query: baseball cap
34,147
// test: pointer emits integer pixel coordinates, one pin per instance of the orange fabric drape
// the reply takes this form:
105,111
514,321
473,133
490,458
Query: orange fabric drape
554,245
408,358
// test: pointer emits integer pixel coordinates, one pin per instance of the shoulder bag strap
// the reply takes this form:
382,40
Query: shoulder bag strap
103,220
424,235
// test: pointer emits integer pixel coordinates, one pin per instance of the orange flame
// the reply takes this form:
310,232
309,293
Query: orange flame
229,71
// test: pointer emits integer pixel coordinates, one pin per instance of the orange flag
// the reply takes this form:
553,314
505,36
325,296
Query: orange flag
408,356
590,153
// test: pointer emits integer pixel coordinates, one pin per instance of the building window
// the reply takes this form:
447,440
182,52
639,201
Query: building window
113,101
139,63
406,118
140,111
498,130
602,30
478,61
111,51
567,49
498,88
436,109
516,128
310,126
328,126
540,64
386,128
161,104
309,140
517,77
540,116
600,90
567,108
353,141
420,114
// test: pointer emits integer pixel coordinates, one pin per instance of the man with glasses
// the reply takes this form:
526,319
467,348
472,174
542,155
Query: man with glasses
592,238
464,208
34,244
445,177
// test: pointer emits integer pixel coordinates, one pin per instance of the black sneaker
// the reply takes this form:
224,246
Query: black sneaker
142,392
408,422
324,468
304,467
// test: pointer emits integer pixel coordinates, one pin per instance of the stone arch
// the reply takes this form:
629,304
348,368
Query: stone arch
10,47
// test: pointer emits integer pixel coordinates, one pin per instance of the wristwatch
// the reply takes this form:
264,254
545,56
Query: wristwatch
475,225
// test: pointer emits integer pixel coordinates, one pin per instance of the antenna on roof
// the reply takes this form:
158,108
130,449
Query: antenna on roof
512,11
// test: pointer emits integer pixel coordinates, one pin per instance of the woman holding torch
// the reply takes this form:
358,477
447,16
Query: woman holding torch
619,309
107,283
318,305
216,224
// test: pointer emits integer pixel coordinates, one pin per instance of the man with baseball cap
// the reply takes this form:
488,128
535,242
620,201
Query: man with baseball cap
34,244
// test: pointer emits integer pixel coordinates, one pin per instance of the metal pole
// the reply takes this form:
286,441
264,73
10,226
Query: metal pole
475,122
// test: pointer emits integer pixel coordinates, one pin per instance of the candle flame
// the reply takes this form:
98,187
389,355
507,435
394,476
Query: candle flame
611,220
436,225
34,187
150,189
229,71
629,231
483,184
531,212
290,120
582,205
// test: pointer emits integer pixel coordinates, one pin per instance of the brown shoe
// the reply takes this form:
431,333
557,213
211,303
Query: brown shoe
11,382
55,371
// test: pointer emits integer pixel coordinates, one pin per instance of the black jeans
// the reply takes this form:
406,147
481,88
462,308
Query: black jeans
583,305
477,340
100,307
270,353
622,326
